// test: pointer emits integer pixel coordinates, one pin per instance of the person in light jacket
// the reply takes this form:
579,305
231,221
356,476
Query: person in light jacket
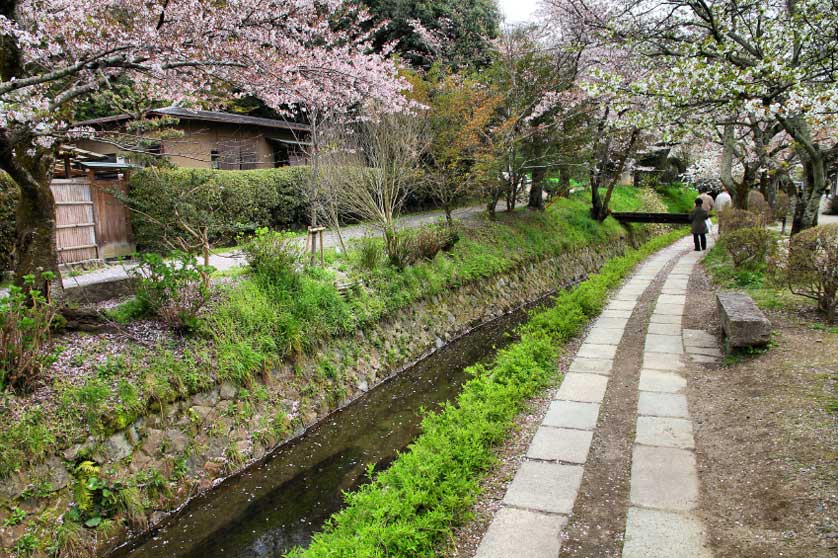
698,218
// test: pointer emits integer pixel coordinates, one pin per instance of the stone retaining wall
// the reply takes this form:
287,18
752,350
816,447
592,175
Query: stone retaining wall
208,437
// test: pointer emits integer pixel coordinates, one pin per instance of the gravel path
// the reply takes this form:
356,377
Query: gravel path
224,261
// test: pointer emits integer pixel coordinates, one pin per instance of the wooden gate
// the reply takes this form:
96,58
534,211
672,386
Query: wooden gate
113,221
91,224
75,221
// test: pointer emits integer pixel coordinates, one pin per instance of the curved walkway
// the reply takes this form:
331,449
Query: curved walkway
611,471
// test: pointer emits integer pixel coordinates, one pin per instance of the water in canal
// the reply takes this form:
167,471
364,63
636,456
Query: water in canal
282,501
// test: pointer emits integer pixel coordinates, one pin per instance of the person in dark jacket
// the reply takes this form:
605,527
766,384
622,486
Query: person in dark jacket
698,216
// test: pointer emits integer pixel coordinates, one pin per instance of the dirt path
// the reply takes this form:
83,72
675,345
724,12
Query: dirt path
767,446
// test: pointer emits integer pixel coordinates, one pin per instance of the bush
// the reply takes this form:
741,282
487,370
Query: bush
370,253
274,254
749,246
758,204
832,206
781,206
812,267
8,206
424,243
25,321
174,290
229,203
732,219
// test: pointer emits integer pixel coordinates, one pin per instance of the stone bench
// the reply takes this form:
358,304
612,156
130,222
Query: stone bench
743,324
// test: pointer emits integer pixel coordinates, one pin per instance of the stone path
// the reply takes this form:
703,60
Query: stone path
664,483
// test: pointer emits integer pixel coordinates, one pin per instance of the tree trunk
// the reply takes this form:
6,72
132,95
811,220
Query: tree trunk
814,186
743,189
536,200
35,219
449,220
564,180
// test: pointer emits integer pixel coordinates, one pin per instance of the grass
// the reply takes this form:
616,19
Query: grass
410,509
256,323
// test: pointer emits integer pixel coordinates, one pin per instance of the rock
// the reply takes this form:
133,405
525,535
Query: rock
176,441
153,441
743,324
215,467
227,391
363,385
132,435
117,447
139,461
206,399
439,343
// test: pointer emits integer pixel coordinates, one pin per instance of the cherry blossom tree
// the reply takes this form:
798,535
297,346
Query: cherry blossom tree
56,53
773,61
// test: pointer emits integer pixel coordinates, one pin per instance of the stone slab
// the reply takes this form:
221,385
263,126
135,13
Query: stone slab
656,343
663,478
708,351
616,313
699,338
587,388
613,323
743,323
669,309
656,404
658,380
560,444
672,299
522,533
592,365
547,487
623,296
572,414
704,359
622,304
602,336
662,534
662,361
665,319
666,432
594,350
665,329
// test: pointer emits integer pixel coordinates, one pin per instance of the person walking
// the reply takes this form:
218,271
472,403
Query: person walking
723,200
698,218
707,205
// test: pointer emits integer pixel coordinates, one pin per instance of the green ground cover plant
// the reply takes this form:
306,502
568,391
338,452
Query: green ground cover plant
262,318
409,509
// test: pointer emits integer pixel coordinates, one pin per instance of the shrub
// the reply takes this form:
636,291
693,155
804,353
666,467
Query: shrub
370,253
832,207
781,206
174,290
732,219
409,246
228,203
749,246
25,321
273,254
812,267
8,206
758,204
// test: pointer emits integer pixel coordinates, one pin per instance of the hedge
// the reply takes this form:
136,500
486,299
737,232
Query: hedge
8,206
410,509
228,202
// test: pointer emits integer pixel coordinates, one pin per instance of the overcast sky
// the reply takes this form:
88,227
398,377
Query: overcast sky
517,11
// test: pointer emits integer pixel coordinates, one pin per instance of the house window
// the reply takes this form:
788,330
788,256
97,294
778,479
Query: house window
234,154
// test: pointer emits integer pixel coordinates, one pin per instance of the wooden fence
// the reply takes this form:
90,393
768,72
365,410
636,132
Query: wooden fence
90,223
